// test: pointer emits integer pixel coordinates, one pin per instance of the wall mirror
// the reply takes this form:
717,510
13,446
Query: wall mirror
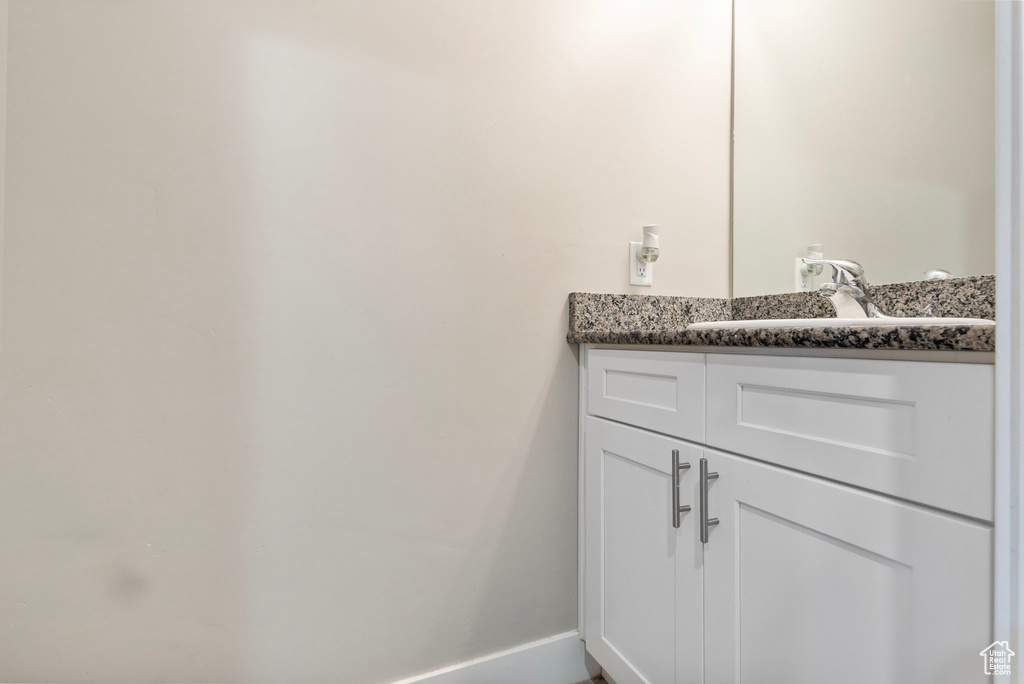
866,127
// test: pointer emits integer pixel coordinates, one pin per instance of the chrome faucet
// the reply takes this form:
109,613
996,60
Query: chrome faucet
849,291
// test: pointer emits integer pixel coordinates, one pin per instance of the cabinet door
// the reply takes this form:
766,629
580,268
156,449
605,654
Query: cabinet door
807,581
643,576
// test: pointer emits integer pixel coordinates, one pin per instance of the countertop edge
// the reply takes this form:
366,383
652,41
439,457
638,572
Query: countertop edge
957,338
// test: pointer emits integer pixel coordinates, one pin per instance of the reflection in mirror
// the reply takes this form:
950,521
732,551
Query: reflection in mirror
864,130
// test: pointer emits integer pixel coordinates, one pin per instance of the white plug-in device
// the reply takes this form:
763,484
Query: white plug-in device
802,273
642,256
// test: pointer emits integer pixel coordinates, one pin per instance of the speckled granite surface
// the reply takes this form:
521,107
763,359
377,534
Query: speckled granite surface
917,338
970,297
789,305
643,319
623,314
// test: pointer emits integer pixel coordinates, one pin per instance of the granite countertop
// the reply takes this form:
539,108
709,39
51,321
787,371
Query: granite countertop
647,319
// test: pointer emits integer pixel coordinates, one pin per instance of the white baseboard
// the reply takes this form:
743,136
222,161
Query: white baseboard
556,660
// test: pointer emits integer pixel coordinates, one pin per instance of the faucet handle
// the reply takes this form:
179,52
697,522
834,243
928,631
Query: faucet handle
849,290
845,272
848,267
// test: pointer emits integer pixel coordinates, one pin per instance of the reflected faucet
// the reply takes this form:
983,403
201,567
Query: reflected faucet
849,291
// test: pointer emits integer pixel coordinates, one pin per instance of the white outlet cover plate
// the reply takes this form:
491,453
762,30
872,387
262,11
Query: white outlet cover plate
639,272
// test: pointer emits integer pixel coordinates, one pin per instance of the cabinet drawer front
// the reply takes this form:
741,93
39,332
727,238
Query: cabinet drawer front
660,391
916,430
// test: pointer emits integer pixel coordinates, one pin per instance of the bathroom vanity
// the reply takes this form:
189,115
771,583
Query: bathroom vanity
778,514
797,488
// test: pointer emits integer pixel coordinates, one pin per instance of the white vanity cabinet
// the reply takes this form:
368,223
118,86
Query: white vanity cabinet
841,553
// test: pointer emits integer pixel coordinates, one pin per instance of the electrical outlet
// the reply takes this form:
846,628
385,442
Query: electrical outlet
640,273
801,278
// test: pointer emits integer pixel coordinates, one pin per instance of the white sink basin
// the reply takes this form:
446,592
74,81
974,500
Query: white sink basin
833,323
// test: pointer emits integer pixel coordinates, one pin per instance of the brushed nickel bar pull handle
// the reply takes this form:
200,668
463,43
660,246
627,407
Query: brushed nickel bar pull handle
677,468
705,521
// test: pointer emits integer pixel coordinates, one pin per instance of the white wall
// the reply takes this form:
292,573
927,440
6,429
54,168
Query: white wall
4,12
869,126
284,391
